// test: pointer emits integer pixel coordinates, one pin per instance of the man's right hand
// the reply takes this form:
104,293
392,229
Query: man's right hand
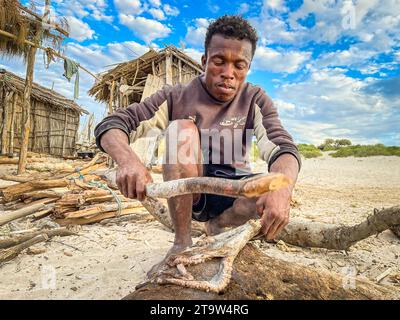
132,179
132,175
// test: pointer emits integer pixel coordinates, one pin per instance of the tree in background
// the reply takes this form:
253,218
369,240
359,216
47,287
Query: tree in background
331,144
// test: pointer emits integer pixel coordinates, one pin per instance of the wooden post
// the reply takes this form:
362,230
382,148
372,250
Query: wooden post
111,100
180,70
34,129
26,101
11,141
6,121
168,68
65,133
49,131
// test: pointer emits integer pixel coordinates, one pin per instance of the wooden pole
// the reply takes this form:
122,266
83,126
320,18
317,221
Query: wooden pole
56,26
10,35
6,120
65,133
49,132
26,108
11,141
111,100
34,129
12,215
26,101
168,68
180,70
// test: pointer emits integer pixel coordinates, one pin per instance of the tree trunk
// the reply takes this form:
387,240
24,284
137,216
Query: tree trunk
26,107
257,276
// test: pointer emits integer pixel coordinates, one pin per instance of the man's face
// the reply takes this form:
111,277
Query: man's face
226,66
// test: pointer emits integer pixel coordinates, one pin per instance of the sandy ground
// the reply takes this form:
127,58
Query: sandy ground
107,262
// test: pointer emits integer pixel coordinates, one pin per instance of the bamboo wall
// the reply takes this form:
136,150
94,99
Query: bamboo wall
53,129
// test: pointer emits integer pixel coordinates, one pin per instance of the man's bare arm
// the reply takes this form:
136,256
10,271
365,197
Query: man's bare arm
289,166
274,207
132,176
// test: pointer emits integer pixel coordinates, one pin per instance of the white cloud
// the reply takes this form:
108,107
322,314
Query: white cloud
91,9
79,30
171,11
277,5
275,31
96,58
331,104
145,29
155,3
272,60
214,8
243,8
194,54
128,7
196,34
157,13
374,22
280,104
351,57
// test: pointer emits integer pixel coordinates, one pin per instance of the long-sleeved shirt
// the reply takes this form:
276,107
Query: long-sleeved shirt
250,113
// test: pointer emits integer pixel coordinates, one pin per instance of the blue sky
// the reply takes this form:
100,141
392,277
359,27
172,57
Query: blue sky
332,67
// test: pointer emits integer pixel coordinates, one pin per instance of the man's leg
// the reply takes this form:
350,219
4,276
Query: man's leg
239,213
182,160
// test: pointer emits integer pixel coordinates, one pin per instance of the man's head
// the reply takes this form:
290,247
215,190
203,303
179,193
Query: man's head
229,48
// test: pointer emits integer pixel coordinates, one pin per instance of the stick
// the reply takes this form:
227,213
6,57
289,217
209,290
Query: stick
250,188
383,275
101,208
15,191
11,253
62,232
10,216
96,218
16,178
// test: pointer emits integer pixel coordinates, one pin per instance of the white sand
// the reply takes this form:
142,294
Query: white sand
107,262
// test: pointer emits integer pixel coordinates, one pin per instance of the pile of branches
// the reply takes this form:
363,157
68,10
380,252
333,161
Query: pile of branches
64,199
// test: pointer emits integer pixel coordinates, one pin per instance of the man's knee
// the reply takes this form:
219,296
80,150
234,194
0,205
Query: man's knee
182,125
183,142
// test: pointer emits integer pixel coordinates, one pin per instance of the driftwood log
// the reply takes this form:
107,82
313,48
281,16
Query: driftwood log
16,240
215,257
257,276
13,215
305,233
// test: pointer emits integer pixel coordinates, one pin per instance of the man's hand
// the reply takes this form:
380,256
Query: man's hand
132,175
274,208
132,179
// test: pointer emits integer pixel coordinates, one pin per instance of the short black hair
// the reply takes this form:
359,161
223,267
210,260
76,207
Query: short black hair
232,27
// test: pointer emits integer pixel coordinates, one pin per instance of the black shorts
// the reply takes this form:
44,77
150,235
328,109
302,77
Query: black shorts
211,205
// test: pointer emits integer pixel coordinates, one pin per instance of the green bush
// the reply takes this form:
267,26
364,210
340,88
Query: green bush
366,151
330,144
309,151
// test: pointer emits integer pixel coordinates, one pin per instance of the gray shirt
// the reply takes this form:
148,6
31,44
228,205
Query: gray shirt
226,128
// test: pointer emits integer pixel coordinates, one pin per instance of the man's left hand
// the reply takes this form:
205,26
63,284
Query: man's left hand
274,208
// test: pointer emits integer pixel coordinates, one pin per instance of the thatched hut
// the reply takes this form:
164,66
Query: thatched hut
135,80
54,120
130,82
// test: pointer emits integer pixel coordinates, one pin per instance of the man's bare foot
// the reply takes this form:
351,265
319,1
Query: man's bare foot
176,249
212,227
